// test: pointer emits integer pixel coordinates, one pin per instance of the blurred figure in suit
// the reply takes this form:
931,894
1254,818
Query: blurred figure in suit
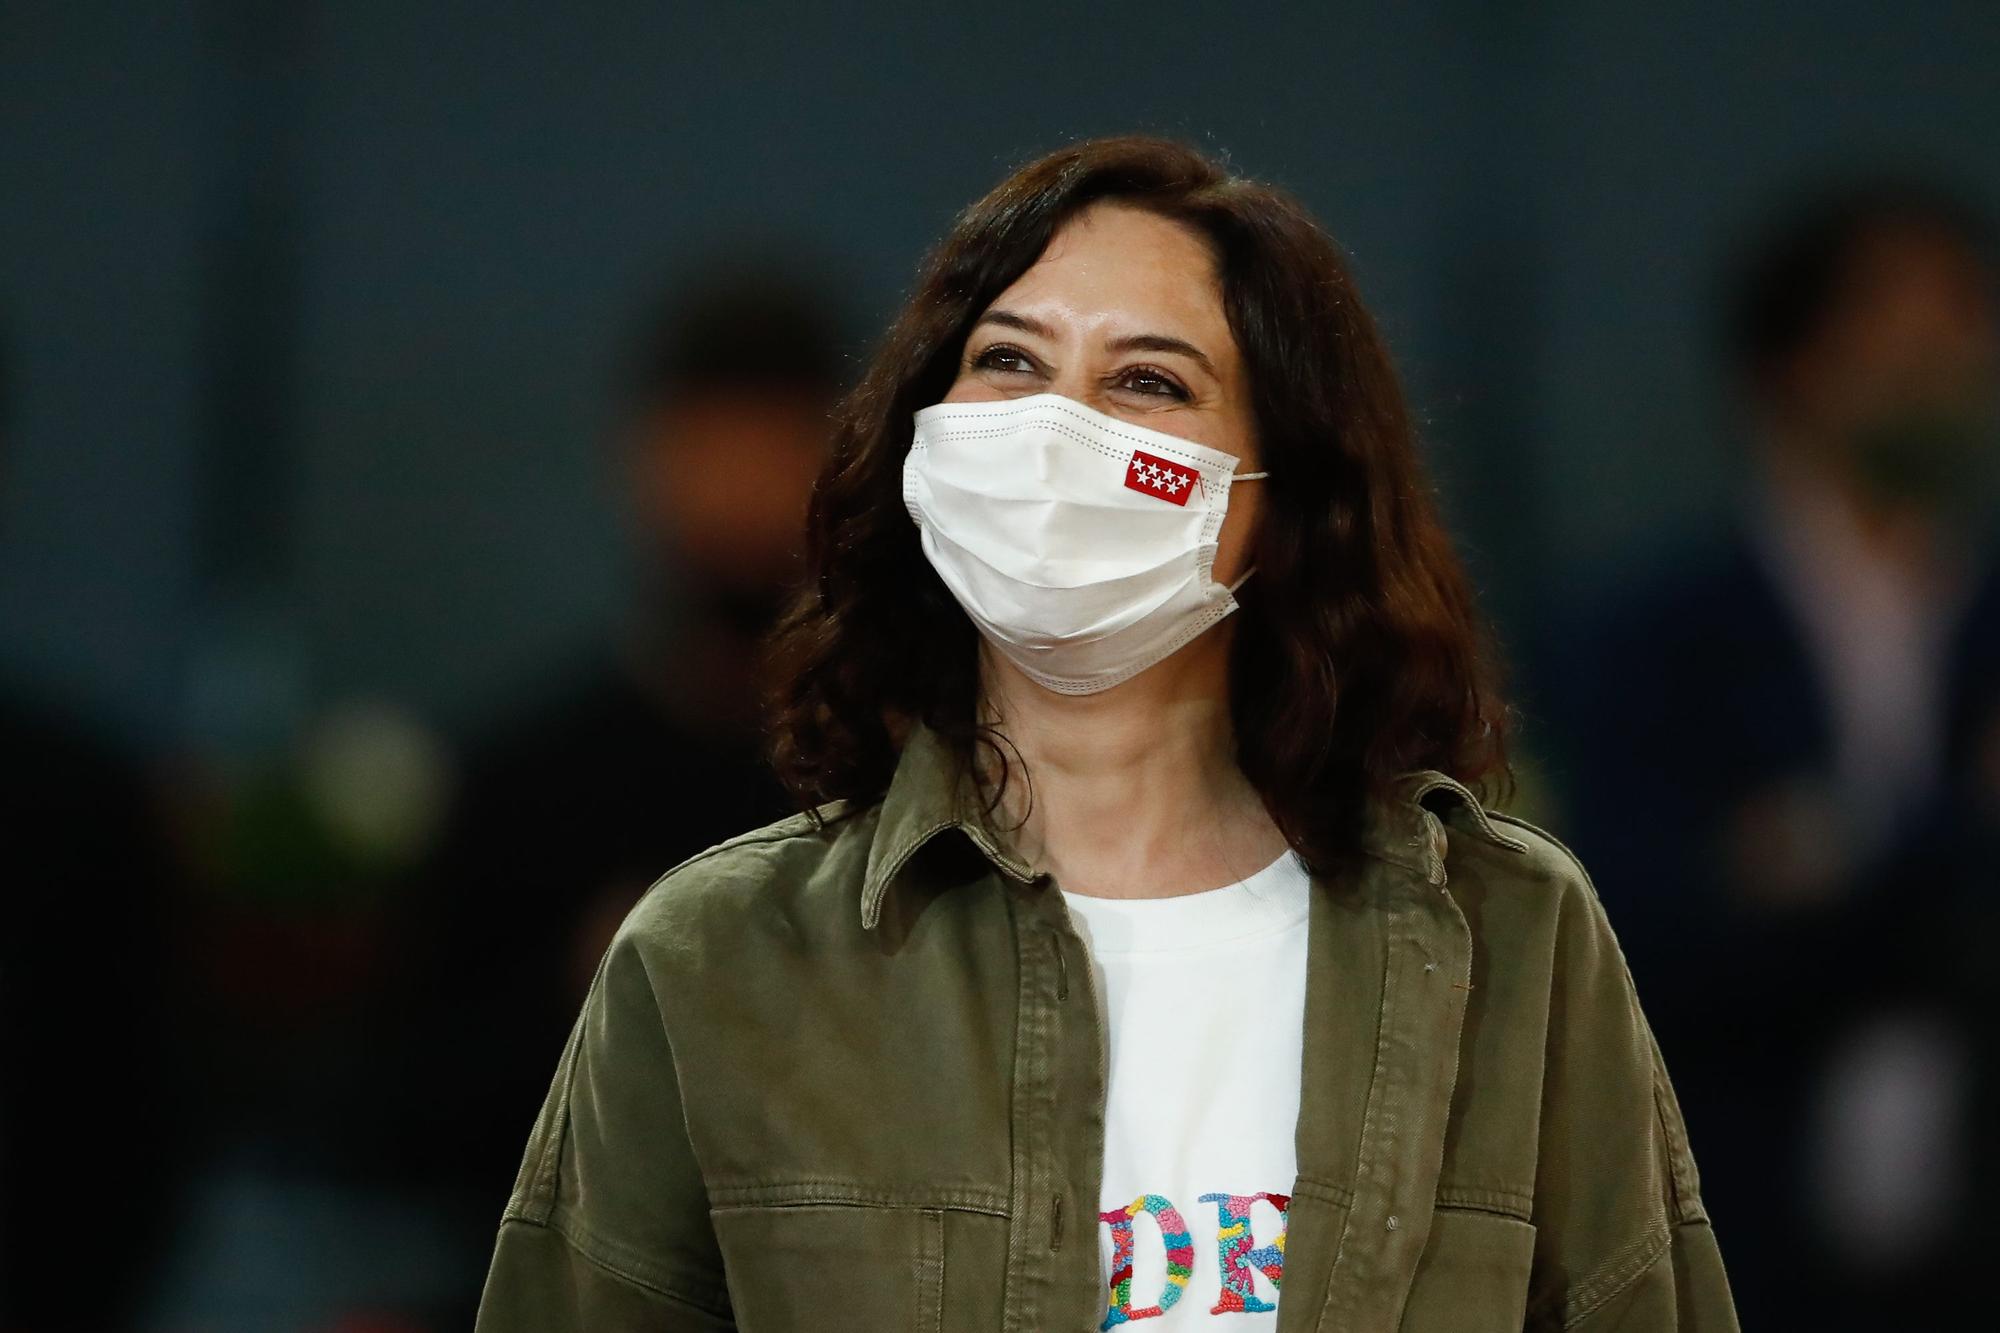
649,754
1775,814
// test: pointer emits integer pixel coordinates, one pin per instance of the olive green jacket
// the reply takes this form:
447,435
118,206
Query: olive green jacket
854,1078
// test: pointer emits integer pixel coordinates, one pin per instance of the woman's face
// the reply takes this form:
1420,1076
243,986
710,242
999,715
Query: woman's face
1123,313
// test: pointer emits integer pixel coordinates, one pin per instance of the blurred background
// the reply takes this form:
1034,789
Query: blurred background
406,412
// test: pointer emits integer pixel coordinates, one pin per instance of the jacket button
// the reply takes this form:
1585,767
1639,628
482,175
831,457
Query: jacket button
1393,1223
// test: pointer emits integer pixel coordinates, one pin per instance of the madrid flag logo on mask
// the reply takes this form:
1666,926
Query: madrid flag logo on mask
1151,475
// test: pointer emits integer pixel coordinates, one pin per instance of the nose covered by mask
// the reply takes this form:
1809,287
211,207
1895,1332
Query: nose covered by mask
1079,544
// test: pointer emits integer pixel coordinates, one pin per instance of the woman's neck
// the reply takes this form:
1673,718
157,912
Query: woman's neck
1132,792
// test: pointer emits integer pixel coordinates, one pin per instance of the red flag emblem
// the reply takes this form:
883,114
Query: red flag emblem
1157,477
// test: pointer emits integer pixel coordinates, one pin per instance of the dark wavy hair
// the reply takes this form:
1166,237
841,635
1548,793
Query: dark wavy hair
1358,650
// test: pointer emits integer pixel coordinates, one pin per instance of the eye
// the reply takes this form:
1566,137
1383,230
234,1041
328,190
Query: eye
1153,383
1002,357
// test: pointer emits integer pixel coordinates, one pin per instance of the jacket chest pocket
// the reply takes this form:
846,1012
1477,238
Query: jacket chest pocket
1473,1276
839,1266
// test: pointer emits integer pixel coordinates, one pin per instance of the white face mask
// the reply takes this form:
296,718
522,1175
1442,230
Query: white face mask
1079,544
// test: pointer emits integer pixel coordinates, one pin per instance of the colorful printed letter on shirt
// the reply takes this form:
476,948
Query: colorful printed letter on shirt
1238,1257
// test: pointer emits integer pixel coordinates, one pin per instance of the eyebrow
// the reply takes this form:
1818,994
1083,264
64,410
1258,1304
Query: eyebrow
1134,342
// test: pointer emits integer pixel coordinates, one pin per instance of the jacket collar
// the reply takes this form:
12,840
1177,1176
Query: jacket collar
930,792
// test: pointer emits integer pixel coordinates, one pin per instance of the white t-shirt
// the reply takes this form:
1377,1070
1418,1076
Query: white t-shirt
1204,995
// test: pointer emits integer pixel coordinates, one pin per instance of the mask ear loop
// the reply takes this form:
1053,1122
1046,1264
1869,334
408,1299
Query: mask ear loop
1236,477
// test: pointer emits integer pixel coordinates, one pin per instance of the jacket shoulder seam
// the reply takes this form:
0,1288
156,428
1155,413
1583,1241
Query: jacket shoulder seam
785,830
536,1194
1548,837
791,829
548,1169
1683,1183
1582,873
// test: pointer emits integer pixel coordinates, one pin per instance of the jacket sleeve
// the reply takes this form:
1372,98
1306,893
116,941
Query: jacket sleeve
608,1227
1623,1240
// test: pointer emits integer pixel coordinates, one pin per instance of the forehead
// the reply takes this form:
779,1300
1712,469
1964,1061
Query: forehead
1116,265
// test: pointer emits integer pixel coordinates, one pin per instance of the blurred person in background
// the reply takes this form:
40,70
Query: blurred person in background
88,1130
1761,732
649,753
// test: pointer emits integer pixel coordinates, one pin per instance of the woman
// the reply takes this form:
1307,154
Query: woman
1141,955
